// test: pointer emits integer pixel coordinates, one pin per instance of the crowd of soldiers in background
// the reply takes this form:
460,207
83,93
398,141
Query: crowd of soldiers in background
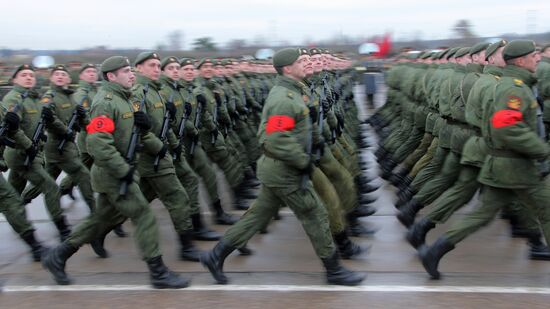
463,120
200,112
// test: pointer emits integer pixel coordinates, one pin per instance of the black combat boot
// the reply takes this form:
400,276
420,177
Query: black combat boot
201,232
213,260
347,248
245,192
380,153
245,251
98,245
119,231
416,236
398,176
356,229
387,168
405,183
338,274
221,217
250,179
537,249
162,277
36,247
188,251
63,228
363,211
361,183
430,256
408,212
404,197
54,261
366,199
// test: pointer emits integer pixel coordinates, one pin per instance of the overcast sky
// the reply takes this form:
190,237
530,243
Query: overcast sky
64,24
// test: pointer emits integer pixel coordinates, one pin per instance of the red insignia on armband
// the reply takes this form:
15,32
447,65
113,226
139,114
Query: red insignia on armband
101,124
279,123
506,118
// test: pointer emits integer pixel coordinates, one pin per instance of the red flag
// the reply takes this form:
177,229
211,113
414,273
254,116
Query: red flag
384,47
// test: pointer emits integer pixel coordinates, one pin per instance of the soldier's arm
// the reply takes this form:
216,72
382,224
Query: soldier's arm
509,127
100,141
22,141
57,126
278,141
81,98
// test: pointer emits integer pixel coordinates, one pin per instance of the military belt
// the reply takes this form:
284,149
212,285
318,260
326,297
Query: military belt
505,153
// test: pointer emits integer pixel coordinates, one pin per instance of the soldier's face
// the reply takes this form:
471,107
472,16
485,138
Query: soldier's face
496,59
89,75
297,70
317,61
529,62
479,58
464,60
308,66
207,70
172,71
218,70
188,72
123,76
60,78
150,68
25,79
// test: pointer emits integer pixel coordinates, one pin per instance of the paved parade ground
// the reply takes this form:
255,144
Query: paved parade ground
488,270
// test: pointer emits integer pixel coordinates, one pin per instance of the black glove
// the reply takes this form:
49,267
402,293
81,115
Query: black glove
162,153
171,108
177,151
31,152
3,166
81,111
142,121
188,109
326,107
313,114
129,177
12,121
47,115
201,100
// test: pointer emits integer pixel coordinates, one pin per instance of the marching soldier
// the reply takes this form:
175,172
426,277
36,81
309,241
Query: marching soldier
115,125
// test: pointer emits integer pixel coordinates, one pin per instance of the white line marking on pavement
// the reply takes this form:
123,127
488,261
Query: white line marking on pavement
287,288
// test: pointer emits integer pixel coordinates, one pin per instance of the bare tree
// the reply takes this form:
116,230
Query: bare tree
175,40
204,44
463,30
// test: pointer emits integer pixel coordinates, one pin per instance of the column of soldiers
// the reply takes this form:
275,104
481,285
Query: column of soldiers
152,130
466,120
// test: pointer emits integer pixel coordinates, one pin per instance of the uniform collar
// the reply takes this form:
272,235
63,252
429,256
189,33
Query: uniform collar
117,89
155,84
493,70
173,84
290,83
474,67
86,85
519,73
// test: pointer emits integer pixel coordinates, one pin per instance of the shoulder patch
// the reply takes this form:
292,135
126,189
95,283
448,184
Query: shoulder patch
136,105
158,105
518,82
127,115
514,102
534,104
109,95
45,100
290,94
101,124
85,103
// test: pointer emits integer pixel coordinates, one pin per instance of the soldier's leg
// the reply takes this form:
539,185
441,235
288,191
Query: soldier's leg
255,218
341,179
462,191
12,208
437,185
326,192
492,200
536,199
419,152
172,195
200,163
38,177
426,158
68,182
190,182
430,170
219,154
81,175
32,191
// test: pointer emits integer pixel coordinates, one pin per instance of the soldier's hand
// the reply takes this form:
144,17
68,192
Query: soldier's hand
142,121
3,166
31,152
201,100
129,177
12,121
188,109
47,115
81,111
171,108
313,114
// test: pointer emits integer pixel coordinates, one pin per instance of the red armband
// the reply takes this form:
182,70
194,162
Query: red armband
279,123
506,118
101,124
